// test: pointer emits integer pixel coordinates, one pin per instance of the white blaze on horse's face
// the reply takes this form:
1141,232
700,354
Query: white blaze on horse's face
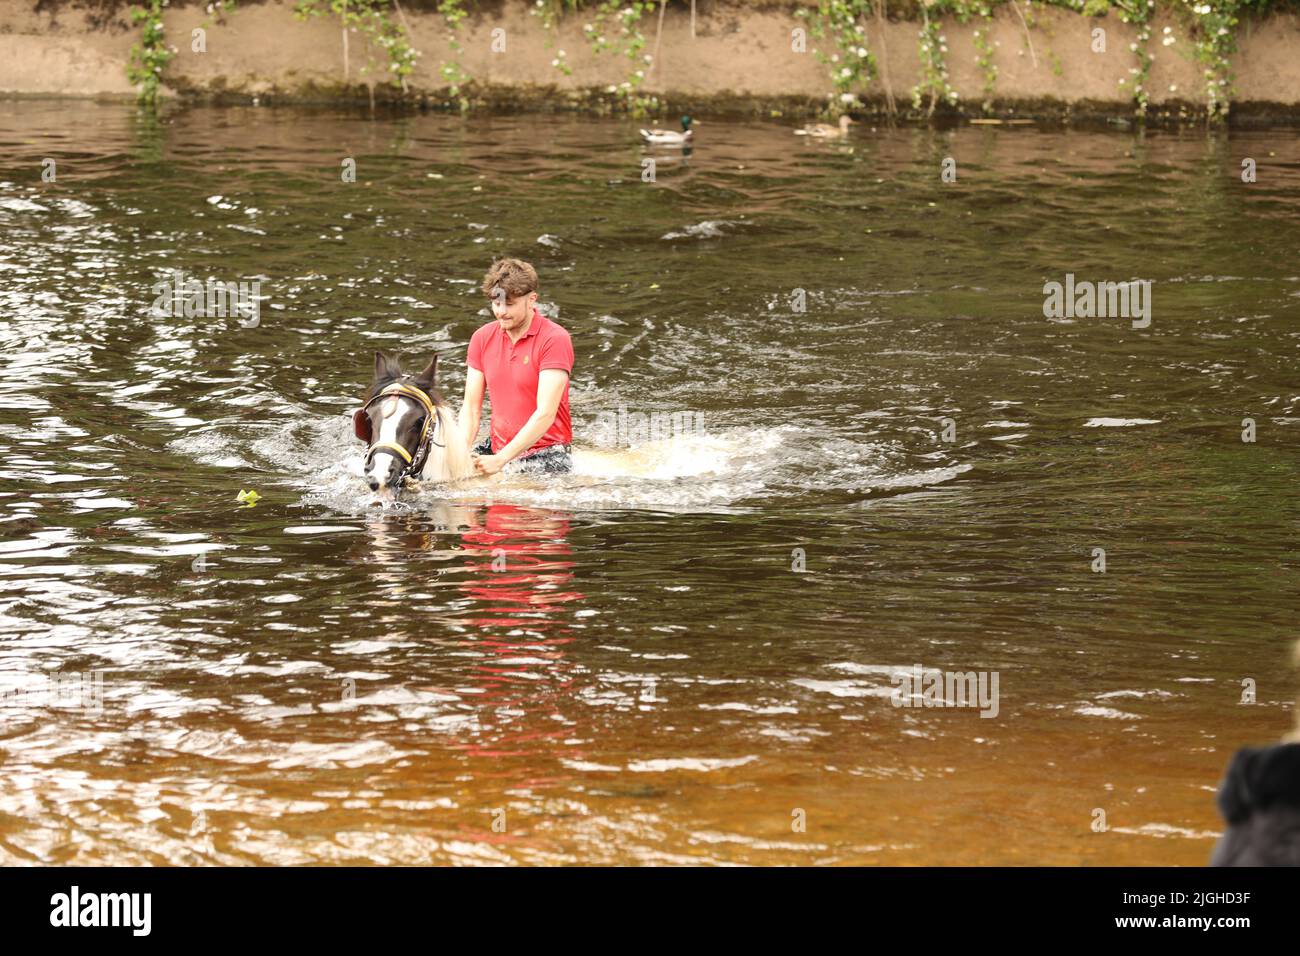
384,464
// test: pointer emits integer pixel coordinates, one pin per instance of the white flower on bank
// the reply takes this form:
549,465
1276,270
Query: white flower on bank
1167,40
847,98
1173,87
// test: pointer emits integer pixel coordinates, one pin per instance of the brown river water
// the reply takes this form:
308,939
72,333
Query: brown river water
687,651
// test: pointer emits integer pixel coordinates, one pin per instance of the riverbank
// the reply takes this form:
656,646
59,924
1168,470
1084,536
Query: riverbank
726,57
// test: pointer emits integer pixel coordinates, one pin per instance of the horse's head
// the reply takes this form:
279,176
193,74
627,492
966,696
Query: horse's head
398,420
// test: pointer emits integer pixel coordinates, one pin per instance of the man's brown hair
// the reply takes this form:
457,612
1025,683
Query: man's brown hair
514,277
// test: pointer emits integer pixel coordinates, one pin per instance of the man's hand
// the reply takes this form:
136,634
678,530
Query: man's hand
489,464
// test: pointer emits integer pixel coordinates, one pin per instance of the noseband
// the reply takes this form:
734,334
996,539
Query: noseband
414,459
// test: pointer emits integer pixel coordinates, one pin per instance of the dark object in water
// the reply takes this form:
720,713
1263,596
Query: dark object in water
1260,799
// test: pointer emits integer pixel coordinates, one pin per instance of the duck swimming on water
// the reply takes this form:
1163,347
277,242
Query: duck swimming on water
670,137
825,130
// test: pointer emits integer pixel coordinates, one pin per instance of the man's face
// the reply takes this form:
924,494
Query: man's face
512,314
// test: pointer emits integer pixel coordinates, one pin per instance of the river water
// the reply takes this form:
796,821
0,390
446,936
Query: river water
691,649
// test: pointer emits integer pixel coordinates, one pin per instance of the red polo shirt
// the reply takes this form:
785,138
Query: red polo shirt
512,370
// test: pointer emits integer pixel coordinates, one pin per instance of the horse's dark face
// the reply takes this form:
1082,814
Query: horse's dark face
393,420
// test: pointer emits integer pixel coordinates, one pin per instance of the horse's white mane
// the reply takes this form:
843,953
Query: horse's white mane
449,458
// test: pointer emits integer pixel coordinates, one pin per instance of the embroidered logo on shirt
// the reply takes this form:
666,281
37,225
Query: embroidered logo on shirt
525,359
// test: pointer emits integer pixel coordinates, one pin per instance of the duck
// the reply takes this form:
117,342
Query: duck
670,137
825,130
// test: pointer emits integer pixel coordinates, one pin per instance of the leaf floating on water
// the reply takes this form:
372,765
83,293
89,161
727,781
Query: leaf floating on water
250,497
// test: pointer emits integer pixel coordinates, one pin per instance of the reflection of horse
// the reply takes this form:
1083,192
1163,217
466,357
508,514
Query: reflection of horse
417,432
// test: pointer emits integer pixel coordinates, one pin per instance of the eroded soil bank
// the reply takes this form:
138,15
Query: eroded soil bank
732,57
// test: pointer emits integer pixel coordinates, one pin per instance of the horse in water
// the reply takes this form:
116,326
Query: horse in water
409,430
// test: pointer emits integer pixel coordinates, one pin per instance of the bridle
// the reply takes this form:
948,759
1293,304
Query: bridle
414,459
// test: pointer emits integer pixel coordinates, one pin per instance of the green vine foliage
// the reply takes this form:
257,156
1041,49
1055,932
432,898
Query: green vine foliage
549,11
613,27
934,68
851,64
1212,26
453,12
150,56
1138,13
373,20
1214,36
623,25
984,55
839,26
616,27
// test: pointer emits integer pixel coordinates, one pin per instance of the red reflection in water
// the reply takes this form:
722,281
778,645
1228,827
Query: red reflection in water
519,563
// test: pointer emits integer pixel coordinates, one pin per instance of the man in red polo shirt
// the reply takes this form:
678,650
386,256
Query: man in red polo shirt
523,360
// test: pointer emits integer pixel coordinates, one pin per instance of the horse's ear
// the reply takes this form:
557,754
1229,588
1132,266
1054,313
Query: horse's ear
386,366
425,379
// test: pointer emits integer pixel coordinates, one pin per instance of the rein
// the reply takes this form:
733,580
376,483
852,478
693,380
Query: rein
414,460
